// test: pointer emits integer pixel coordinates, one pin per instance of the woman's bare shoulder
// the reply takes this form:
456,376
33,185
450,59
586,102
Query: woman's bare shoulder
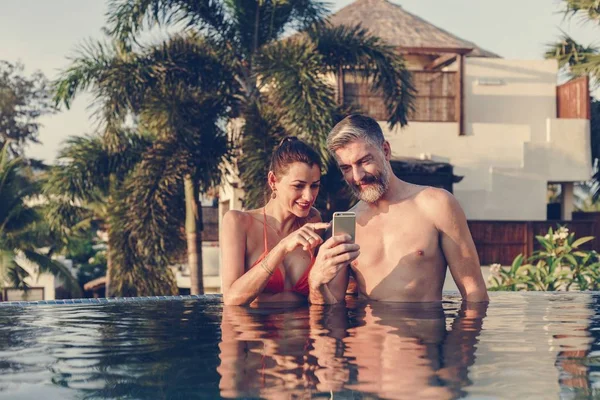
238,218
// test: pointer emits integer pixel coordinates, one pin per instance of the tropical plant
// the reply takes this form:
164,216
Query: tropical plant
88,254
233,53
577,59
178,91
559,265
83,191
23,231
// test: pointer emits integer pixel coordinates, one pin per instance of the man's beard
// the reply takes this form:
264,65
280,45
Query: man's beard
377,185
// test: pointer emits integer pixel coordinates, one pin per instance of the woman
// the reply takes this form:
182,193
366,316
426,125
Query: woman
267,253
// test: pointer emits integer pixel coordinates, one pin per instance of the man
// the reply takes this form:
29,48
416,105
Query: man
406,234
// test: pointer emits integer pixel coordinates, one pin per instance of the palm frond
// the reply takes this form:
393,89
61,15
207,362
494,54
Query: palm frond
154,200
262,131
55,268
354,50
259,22
124,82
127,18
71,220
569,53
588,10
82,171
134,274
16,276
293,72
11,273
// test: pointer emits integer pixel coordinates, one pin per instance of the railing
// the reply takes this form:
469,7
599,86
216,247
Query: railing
435,101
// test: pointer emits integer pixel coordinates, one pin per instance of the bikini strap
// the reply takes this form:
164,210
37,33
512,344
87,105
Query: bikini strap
265,230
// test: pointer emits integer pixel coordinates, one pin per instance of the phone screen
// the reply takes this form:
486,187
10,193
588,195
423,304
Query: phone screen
344,223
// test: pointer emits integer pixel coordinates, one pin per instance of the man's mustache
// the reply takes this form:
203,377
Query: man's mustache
367,179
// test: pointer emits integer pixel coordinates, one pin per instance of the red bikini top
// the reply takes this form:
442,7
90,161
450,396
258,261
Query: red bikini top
276,283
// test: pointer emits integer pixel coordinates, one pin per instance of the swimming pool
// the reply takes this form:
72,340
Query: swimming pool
524,345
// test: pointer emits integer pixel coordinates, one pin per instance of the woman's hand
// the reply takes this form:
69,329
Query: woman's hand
305,237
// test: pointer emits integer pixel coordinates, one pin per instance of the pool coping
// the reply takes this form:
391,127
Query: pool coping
105,300
445,293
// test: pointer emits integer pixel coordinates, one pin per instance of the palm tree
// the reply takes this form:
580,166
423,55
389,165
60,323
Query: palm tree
23,231
84,190
179,92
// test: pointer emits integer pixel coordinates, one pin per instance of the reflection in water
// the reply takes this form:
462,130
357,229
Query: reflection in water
525,345
403,350
578,358
391,350
263,351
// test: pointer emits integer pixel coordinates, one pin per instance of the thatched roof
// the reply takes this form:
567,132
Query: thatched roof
400,28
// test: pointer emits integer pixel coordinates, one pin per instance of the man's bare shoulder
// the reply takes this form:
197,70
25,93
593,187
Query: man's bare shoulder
438,204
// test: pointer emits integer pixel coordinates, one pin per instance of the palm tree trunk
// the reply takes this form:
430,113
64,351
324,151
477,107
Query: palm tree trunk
193,231
109,270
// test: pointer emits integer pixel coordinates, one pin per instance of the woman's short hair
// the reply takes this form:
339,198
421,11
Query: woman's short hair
291,150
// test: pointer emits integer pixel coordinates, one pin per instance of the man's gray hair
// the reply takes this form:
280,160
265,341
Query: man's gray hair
352,128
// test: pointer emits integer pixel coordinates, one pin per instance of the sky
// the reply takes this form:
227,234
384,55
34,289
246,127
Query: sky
42,34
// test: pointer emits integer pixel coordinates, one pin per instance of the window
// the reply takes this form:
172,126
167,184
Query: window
435,96
32,294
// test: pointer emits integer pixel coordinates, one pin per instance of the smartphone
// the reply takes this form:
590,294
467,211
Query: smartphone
344,223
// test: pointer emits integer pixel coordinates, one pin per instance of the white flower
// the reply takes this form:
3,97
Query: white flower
562,233
495,269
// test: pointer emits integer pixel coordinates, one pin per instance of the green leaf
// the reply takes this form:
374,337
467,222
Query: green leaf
571,259
581,241
55,268
517,262
547,244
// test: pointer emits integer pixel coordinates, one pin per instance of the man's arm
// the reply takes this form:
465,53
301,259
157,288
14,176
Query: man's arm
457,245
332,292
328,278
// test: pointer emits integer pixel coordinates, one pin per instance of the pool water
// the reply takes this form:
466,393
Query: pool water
523,345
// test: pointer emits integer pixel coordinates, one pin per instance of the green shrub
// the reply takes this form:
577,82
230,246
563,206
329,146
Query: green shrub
559,265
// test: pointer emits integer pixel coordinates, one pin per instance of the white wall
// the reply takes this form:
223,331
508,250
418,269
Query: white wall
45,281
211,273
513,145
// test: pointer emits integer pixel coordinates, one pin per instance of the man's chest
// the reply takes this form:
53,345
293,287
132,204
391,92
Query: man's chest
395,241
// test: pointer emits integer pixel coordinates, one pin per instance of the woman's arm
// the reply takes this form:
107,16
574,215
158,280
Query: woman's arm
240,287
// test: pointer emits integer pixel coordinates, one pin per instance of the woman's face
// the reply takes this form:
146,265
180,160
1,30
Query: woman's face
297,189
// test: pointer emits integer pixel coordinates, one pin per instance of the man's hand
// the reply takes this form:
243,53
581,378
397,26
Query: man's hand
336,253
